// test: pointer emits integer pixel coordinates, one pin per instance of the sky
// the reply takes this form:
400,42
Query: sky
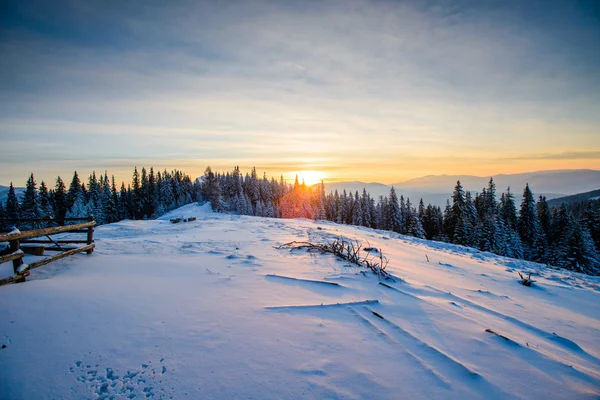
350,89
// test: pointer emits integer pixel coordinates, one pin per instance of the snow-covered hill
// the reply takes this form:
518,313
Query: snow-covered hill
209,309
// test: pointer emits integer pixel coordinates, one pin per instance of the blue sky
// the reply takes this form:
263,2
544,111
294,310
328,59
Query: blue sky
365,90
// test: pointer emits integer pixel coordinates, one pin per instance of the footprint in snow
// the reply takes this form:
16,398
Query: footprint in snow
108,382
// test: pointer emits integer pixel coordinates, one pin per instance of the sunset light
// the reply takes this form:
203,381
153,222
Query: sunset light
309,177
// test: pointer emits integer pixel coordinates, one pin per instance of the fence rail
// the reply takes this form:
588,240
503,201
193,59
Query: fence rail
16,252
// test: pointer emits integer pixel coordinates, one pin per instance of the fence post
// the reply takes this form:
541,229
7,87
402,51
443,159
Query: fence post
90,234
14,245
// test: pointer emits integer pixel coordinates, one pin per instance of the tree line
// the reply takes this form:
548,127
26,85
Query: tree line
148,196
533,231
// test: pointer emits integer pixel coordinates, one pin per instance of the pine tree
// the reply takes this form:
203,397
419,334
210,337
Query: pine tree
136,198
541,251
472,220
528,224
108,204
30,204
590,220
60,201
508,211
357,212
447,222
413,223
580,254
95,206
74,190
322,214
124,203
145,195
403,214
13,209
45,204
394,218
212,189
560,231
457,224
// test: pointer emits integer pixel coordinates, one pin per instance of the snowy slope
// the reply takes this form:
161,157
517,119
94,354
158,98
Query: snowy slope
207,310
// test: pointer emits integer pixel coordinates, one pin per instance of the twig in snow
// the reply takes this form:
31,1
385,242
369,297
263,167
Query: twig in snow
346,250
526,281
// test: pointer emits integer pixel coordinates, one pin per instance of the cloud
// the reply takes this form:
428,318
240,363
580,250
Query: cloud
392,84
571,155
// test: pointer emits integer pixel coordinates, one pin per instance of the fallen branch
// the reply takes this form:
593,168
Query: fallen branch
526,281
502,336
346,250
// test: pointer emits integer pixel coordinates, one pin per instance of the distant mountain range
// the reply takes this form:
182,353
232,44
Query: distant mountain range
576,198
436,189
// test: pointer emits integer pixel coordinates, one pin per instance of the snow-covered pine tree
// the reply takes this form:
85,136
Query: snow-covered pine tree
124,203
321,214
344,208
580,254
30,203
394,218
428,223
108,204
136,198
508,210
259,209
544,218
13,208
45,203
413,223
212,189
528,224
365,201
60,203
421,210
379,214
95,206
152,195
79,209
472,220
560,232
357,213
590,219
447,222
457,217
75,188
403,216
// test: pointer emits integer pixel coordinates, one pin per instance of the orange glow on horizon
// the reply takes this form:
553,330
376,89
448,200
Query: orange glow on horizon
310,177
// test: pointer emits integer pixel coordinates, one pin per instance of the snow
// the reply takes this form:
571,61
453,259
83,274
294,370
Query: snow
210,309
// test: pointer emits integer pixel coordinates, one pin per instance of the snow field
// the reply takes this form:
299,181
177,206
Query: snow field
209,309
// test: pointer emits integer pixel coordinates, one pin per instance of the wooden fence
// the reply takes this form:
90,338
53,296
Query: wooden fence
16,239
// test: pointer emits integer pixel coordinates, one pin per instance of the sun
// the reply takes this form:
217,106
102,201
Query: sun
310,177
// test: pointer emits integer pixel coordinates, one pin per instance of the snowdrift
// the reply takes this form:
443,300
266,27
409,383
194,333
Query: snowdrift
210,309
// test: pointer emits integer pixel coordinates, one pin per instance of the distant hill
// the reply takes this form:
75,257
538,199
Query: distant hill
566,182
576,198
436,189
